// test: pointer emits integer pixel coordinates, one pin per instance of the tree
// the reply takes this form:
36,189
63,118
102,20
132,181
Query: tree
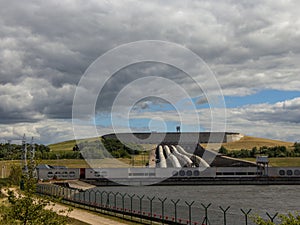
76,148
253,152
28,209
223,150
15,175
24,207
297,147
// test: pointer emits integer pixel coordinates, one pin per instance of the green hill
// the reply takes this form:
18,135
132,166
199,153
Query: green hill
62,146
248,142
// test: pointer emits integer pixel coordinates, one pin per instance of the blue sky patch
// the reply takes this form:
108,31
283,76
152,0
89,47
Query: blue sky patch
265,96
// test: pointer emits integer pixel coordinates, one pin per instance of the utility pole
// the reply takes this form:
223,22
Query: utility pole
24,155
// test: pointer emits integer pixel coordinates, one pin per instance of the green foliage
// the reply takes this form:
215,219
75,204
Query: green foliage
297,148
58,155
108,148
3,183
10,151
223,150
271,152
15,175
27,208
14,151
288,219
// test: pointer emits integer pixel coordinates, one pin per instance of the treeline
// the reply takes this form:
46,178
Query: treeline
59,155
15,152
107,148
271,152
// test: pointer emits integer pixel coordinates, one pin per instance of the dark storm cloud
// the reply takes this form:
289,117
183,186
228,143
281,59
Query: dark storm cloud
143,70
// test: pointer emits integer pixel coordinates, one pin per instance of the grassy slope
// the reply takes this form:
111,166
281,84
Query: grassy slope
248,142
68,145
139,160
63,146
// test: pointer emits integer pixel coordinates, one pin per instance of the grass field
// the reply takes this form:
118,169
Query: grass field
62,146
248,142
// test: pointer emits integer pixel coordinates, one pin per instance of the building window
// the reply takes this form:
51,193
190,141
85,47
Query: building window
181,173
281,172
189,173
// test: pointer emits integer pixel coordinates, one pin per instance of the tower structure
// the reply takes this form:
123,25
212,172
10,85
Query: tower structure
24,155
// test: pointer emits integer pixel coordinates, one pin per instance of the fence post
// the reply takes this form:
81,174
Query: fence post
246,215
115,201
224,212
90,199
162,208
55,191
96,193
151,200
272,218
131,197
190,210
84,194
89,196
123,202
73,195
69,193
107,199
101,199
175,208
206,220
141,205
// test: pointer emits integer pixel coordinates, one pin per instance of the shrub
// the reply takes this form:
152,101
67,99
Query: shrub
288,219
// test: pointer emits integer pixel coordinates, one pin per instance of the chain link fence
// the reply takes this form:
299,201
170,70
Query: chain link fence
148,209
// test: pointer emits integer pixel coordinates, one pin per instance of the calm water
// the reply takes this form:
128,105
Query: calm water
261,199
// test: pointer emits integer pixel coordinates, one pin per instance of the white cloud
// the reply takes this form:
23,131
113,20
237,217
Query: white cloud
46,46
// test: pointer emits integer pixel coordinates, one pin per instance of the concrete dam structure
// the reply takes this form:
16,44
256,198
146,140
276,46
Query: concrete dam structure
174,138
186,144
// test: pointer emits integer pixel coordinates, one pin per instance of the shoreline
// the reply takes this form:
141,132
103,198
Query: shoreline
86,184
195,181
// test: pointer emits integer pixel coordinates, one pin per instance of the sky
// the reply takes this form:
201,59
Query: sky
252,49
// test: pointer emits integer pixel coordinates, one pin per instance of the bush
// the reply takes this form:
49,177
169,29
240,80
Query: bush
288,219
223,150
277,151
15,175
27,208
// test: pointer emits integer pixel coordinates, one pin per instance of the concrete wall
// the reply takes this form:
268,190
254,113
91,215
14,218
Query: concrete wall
233,137
174,138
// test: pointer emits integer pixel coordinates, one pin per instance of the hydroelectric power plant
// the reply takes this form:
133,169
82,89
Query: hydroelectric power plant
181,159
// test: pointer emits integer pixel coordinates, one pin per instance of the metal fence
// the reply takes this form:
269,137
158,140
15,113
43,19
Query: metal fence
148,209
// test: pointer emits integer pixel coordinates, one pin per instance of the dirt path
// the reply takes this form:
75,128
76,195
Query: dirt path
78,214
86,216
